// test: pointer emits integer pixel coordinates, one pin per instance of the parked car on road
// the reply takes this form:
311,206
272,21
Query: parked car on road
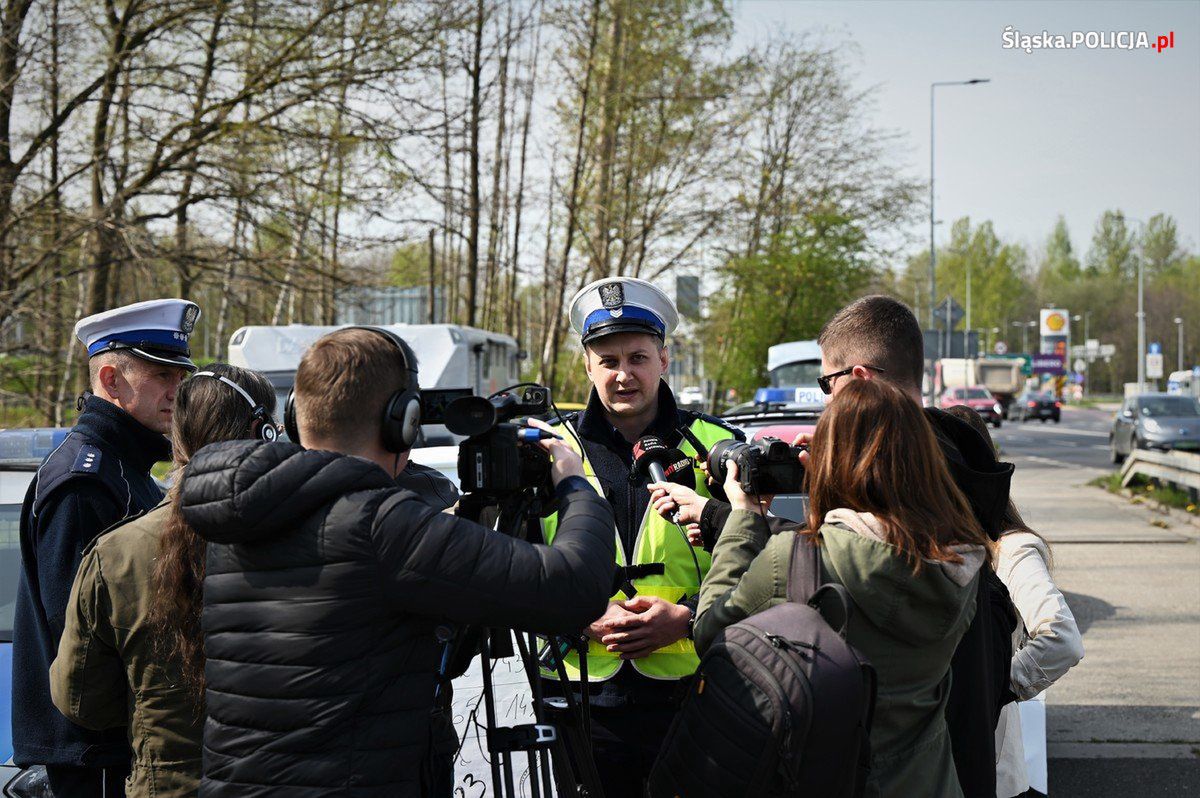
1040,405
691,398
978,398
1155,421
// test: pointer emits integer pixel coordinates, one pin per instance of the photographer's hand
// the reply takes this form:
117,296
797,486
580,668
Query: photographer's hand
654,623
739,498
803,439
565,461
667,496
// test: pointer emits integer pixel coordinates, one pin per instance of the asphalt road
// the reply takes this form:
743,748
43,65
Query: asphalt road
1126,720
1081,439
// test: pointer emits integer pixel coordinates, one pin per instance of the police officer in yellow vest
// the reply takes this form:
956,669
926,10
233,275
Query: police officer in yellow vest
640,649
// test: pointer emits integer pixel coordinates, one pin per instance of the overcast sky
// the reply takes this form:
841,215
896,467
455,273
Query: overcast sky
1056,131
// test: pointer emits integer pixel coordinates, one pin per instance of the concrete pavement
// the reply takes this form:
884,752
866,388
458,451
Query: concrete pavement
1126,720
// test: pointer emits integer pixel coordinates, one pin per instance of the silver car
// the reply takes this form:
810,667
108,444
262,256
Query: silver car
1155,421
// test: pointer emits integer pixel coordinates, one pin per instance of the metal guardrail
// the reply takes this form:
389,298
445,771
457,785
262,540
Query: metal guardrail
1180,469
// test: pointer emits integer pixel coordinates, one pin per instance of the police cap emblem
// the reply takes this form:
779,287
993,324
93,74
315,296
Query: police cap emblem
189,319
612,296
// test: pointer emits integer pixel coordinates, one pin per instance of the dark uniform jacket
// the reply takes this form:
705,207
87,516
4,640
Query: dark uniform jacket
323,590
98,476
611,457
980,668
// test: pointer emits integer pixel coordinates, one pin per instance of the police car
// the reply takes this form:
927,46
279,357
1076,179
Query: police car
21,452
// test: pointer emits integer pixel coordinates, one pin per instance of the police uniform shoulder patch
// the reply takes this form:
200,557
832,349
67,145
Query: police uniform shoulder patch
87,461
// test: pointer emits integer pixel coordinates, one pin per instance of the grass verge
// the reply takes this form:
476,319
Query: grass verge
1141,489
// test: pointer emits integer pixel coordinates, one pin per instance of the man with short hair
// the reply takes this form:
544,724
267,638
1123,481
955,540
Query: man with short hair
877,337
97,477
640,653
329,591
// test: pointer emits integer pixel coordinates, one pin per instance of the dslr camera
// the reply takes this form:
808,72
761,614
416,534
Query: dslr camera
498,458
766,467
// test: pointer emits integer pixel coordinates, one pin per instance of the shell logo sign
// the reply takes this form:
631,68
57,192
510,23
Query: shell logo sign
1055,322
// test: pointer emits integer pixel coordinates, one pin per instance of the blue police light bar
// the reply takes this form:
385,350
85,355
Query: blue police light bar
27,448
767,395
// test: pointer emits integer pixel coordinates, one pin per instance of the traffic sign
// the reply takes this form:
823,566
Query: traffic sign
1093,346
1000,348
1108,350
948,311
1154,365
1156,349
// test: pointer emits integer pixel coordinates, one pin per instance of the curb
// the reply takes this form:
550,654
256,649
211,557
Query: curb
1122,750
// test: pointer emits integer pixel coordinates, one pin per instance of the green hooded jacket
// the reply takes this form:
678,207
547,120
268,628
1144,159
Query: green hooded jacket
107,673
906,624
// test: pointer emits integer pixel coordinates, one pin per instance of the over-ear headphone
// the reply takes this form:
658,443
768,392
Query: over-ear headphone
262,426
401,413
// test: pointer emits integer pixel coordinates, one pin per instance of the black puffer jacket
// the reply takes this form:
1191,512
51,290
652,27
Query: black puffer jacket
324,584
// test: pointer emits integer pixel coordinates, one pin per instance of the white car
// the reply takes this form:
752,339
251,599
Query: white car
690,397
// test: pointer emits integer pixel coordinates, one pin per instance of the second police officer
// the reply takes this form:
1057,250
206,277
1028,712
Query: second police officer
640,649
98,476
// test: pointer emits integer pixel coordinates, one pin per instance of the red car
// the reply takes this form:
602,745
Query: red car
976,397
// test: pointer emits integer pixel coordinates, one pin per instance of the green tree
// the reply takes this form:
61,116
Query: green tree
1060,258
1113,247
784,292
1160,245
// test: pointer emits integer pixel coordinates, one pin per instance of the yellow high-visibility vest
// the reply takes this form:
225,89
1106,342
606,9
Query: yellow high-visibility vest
658,541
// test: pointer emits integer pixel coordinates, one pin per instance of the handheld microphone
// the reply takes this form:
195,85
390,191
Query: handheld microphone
653,458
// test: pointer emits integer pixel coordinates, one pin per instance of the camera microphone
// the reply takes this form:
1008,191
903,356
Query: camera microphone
653,458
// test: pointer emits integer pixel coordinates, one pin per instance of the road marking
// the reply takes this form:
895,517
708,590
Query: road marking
1068,431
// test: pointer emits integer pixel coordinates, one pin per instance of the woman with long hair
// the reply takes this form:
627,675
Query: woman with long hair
131,653
895,531
1047,644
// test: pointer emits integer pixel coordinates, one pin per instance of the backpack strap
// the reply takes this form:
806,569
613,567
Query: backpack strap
804,574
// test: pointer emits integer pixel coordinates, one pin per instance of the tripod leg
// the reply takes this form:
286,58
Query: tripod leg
489,704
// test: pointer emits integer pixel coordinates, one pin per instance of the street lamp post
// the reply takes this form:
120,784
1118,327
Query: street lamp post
1179,349
932,251
1024,325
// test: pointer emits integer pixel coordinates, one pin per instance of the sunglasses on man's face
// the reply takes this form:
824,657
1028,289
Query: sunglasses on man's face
826,380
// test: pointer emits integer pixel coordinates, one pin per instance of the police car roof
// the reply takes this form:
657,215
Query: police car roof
25,449
792,352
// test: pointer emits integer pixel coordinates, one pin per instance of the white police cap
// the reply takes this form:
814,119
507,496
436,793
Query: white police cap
157,330
622,304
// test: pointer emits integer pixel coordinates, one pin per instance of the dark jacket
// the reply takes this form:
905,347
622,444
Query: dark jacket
323,590
980,668
98,476
611,457
110,672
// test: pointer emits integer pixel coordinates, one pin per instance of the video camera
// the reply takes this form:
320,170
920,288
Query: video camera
492,460
766,467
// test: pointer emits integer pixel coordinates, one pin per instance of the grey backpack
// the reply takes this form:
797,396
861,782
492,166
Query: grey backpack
780,705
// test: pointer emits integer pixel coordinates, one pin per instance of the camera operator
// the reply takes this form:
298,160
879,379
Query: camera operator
640,647
326,585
